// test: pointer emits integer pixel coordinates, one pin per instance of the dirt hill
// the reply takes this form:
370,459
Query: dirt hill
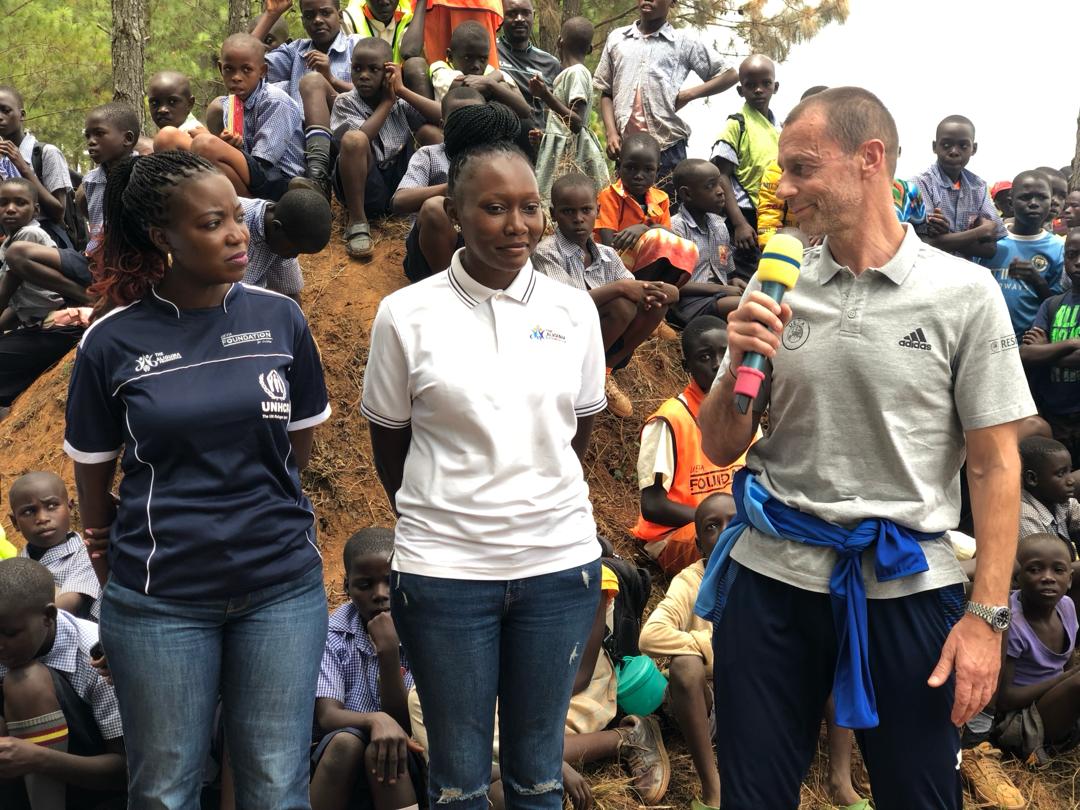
340,300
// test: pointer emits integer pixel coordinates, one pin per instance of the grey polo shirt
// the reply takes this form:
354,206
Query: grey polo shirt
877,380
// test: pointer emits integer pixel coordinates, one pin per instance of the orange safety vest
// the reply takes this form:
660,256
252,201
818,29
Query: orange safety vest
696,476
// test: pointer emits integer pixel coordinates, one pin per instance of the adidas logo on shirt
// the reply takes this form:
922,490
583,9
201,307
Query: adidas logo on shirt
916,340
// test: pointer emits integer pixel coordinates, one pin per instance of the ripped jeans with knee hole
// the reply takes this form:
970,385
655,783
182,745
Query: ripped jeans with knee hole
472,642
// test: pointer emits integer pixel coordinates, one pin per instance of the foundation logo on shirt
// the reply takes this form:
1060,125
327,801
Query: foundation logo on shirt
147,362
540,333
796,333
262,336
278,406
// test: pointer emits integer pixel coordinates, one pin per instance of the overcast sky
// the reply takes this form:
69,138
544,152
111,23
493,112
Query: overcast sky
930,58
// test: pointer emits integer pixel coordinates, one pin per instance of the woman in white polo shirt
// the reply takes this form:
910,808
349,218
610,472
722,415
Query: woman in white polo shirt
481,388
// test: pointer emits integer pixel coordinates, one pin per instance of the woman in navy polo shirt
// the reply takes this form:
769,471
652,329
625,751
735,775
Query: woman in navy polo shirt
210,390
481,387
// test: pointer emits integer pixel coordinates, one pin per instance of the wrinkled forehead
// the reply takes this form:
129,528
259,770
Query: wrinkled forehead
807,139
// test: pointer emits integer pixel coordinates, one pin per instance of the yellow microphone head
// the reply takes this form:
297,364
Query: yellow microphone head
781,260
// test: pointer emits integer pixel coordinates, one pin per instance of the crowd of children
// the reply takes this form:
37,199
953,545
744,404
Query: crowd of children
371,107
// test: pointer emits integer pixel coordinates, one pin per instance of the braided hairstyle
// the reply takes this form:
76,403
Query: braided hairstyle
478,124
128,264
462,162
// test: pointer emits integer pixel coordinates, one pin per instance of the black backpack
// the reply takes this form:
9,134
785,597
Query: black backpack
635,584
71,233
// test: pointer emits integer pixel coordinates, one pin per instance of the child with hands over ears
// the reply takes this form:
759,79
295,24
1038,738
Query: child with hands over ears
361,702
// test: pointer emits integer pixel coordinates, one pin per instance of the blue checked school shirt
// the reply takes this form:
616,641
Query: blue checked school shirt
265,268
285,64
274,129
396,132
71,569
349,672
960,206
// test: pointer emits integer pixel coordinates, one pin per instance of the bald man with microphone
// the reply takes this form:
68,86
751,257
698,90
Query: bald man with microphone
889,362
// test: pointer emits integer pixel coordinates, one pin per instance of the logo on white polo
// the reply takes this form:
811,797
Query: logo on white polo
278,406
540,333
147,362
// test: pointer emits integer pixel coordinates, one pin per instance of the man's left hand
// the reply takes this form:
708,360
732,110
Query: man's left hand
973,652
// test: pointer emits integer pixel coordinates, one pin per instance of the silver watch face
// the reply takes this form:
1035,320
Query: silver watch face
1000,619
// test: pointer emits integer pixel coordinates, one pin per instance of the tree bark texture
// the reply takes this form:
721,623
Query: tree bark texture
239,16
130,26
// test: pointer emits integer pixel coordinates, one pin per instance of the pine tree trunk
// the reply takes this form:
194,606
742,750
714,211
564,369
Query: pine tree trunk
549,19
130,26
239,16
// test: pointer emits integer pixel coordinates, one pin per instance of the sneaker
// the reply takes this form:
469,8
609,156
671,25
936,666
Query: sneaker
665,332
617,402
981,770
642,750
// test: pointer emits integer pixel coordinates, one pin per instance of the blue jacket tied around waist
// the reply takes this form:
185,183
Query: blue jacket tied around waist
896,554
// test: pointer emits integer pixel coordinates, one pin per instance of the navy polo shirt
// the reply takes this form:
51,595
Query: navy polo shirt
201,403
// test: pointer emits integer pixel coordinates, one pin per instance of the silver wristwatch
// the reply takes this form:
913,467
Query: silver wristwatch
997,617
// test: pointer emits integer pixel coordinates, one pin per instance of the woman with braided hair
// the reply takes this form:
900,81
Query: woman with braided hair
209,392
481,387
433,240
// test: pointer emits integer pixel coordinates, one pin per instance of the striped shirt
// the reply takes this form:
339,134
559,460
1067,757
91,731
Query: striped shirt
265,268
70,654
561,260
960,203
72,572
349,672
716,260
286,65
396,132
643,73
273,129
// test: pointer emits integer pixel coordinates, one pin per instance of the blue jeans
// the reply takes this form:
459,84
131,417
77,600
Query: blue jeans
171,659
472,641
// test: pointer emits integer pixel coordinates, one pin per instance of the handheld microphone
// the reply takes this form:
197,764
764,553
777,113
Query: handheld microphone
778,270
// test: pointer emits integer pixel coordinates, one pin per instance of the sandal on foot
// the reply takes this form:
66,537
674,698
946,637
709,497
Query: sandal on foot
358,241
698,804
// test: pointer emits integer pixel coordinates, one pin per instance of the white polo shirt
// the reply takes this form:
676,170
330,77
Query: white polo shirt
492,383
